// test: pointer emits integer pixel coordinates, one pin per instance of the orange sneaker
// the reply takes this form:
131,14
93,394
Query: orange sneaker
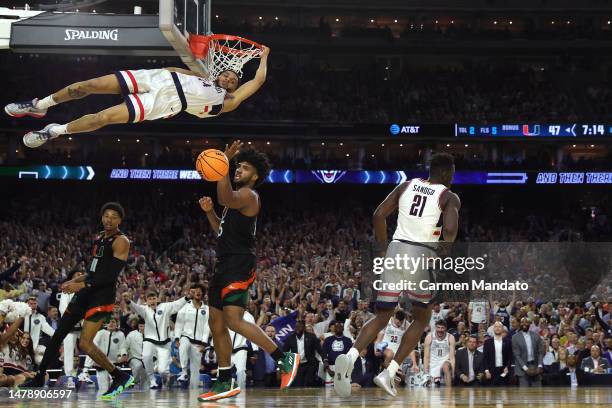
220,390
288,365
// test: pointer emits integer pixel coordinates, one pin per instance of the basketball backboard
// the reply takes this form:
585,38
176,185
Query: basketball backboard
179,18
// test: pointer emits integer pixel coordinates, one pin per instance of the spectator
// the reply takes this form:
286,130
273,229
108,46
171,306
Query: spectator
264,370
527,350
469,368
366,368
333,346
595,363
306,345
497,356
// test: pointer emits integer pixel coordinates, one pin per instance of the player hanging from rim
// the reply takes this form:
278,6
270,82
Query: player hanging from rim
149,94
93,302
234,273
427,209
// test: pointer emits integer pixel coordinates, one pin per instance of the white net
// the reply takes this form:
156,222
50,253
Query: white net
221,52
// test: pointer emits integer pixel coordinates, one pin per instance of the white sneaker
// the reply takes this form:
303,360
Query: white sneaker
84,377
342,375
183,378
153,384
384,381
37,138
26,108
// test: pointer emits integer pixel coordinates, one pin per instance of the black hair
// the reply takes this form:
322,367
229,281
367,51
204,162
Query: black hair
440,162
115,207
256,159
72,273
400,315
441,323
238,75
198,285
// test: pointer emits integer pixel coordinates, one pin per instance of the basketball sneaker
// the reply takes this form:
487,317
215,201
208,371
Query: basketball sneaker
119,385
288,365
38,381
220,390
384,381
26,108
37,138
342,376
183,378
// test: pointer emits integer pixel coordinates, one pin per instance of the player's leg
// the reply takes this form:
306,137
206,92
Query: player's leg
107,84
240,360
103,381
163,361
91,325
184,351
195,360
233,316
447,371
67,322
385,307
224,387
114,115
421,313
148,352
69,344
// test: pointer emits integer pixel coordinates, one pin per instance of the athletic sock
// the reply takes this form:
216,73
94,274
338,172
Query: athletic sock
353,355
117,373
225,373
393,367
58,130
46,103
277,354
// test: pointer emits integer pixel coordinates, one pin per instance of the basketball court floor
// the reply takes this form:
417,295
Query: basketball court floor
318,397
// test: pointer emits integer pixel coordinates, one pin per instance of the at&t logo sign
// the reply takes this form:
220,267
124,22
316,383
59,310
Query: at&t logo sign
396,129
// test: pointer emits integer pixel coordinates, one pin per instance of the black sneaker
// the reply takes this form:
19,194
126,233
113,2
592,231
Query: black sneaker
37,382
120,384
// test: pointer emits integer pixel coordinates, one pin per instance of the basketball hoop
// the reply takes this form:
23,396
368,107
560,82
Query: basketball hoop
222,52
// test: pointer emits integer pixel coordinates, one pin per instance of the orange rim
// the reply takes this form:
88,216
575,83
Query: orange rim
199,44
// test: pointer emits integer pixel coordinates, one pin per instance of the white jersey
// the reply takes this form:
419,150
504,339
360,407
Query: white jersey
439,351
479,311
193,323
157,321
204,98
393,334
419,218
133,344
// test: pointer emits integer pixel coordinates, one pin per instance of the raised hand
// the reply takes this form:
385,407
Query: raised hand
233,149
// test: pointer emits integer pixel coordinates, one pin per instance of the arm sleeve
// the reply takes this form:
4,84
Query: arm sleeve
46,328
516,352
138,309
177,305
180,322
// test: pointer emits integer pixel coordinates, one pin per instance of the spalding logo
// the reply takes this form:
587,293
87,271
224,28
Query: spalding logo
72,35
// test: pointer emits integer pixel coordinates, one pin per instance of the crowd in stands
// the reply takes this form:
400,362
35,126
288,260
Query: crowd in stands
312,268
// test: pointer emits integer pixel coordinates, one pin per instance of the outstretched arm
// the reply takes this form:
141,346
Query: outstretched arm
386,208
249,88
242,199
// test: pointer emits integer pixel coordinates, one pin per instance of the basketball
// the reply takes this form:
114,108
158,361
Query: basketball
212,165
